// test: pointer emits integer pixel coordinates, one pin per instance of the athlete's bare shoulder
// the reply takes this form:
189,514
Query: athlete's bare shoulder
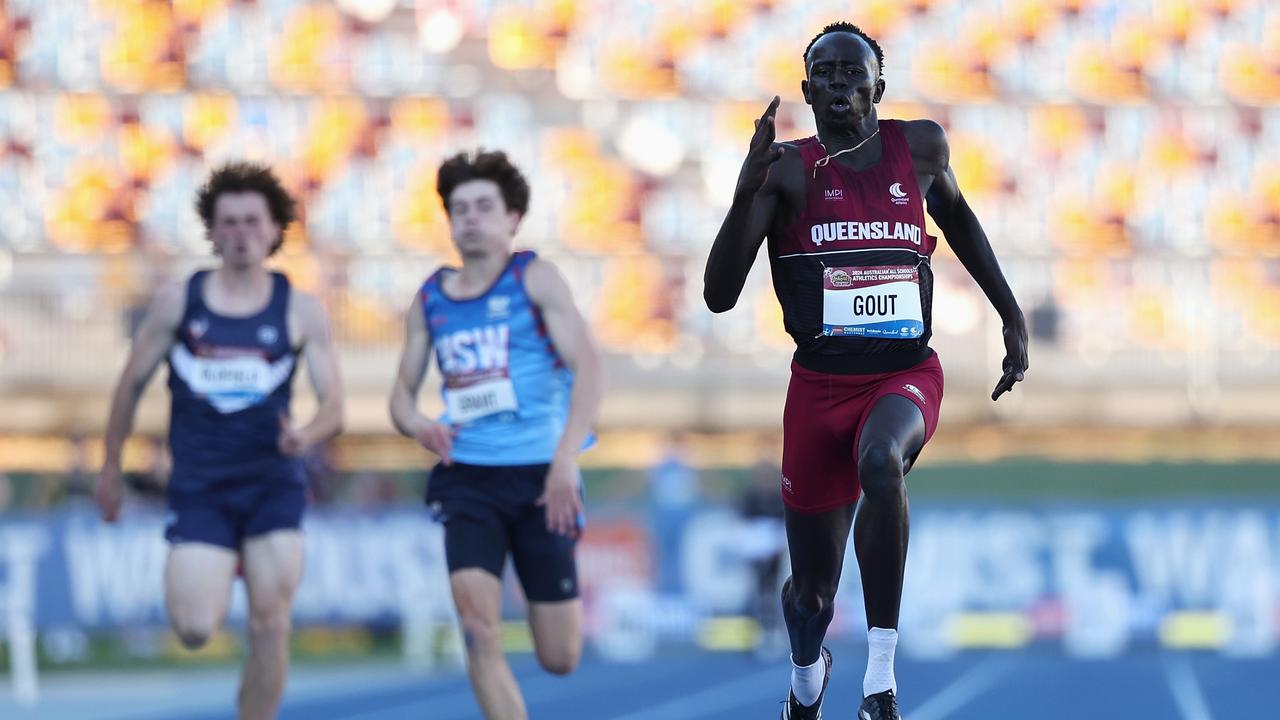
170,303
307,318
172,292
928,142
303,301
544,281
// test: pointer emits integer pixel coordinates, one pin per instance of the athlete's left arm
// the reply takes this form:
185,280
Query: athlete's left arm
946,204
571,336
322,370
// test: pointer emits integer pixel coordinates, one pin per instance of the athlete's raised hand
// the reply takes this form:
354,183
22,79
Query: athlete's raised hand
562,497
436,437
762,154
1015,358
108,492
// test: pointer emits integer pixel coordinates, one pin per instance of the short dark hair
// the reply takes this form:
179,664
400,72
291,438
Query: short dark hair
247,177
848,27
483,165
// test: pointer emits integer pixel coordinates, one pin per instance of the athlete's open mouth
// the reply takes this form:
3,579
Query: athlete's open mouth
840,105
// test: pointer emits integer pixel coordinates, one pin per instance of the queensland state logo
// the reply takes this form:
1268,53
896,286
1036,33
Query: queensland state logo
897,195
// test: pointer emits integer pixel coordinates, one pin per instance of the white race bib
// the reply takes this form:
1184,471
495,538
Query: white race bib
879,302
480,399
230,383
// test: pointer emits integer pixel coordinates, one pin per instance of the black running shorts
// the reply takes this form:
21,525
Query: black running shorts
490,511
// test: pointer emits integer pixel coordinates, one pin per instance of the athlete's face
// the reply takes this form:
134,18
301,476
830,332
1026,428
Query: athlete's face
480,220
843,79
243,231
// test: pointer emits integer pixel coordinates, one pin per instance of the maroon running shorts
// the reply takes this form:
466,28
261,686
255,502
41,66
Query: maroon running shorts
823,421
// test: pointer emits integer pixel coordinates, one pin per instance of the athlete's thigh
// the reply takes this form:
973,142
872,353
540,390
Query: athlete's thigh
816,543
818,425
557,627
197,582
467,500
272,569
544,560
477,594
893,421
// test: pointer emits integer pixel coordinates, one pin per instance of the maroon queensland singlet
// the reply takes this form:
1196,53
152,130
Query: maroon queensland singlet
852,274
852,270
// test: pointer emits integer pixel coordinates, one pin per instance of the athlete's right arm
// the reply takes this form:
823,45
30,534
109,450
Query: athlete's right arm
750,216
151,342
434,436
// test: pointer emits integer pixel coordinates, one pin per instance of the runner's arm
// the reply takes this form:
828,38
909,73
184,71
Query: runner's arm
957,220
571,336
322,371
414,357
151,341
959,224
755,199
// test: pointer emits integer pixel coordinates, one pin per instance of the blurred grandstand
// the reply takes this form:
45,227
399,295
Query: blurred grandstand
1122,156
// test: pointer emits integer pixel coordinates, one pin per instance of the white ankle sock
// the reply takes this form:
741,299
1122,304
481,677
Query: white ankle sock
806,681
881,644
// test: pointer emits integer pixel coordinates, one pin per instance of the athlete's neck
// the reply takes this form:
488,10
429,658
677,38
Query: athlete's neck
244,279
843,137
238,290
479,272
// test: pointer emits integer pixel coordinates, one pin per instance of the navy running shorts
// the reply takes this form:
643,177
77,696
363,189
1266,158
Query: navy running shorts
490,511
228,515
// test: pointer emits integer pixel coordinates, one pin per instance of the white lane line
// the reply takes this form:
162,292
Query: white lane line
1185,688
964,689
732,693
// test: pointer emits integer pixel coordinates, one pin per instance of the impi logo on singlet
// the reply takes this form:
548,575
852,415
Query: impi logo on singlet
475,363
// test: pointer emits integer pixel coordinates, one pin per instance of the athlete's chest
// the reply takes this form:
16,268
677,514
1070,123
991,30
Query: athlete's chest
213,336
479,335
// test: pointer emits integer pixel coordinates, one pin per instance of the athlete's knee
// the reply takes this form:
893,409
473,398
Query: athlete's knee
812,600
271,623
481,634
880,469
560,661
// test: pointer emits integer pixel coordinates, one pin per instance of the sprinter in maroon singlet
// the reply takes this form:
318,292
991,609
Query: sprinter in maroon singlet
843,212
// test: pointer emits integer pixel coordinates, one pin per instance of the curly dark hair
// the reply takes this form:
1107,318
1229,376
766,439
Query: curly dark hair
240,177
848,27
483,165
